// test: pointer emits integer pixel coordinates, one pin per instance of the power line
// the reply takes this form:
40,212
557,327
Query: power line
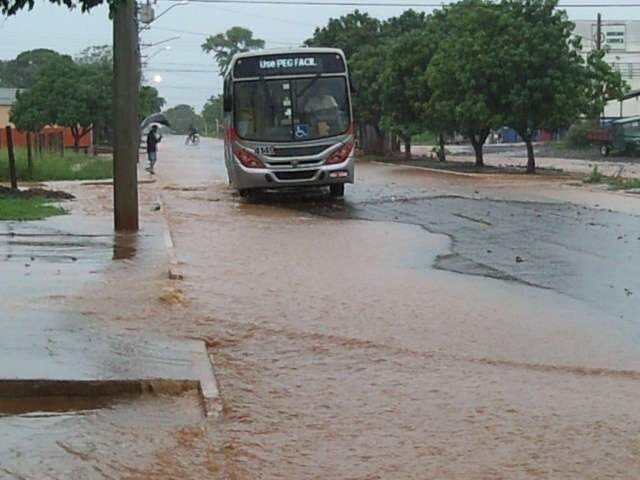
385,4
181,70
204,34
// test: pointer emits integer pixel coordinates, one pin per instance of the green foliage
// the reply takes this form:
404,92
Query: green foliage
595,176
150,102
226,45
96,55
577,135
67,94
408,50
182,117
426,138
546,82
616,182
11,7
24,69
465,72
212,114
605,84
52,166
351,33
20,209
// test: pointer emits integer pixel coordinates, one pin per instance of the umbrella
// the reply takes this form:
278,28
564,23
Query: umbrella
154,118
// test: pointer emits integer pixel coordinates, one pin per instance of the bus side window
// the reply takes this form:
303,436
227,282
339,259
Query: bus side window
227,99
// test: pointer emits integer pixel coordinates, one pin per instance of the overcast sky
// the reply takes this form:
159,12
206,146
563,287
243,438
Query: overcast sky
50,26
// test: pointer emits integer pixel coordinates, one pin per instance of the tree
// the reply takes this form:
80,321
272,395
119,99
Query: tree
182,117
23,70
351,33
233,41
11,7
408,50
150,102
69,95
212,113
367,107
359,36
96,55
465,73
549,82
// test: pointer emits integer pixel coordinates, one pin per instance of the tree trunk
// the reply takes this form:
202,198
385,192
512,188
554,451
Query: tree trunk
407,148
379,141
442,156
395,144
477,148
29,155
531,161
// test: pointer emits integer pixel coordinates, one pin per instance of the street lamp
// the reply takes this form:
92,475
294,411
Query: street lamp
149,45
160,50
148,16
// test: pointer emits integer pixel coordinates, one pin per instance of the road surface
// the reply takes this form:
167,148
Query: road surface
428,326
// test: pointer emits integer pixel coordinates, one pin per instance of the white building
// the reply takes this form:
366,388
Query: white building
621,38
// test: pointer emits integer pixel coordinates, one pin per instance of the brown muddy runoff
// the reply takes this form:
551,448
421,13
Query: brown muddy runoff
341,353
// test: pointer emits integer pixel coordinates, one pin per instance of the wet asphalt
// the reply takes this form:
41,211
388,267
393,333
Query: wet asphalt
576,248
589,254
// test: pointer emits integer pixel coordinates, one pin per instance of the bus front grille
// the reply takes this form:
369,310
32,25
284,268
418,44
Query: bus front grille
300,175
284,152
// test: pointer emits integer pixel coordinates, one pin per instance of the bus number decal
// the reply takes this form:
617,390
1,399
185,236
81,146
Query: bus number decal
265,150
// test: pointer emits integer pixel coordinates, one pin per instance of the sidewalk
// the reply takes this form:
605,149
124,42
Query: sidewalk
74,348
510,158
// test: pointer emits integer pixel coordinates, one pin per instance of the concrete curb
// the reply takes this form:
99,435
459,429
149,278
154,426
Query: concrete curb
106,183
437,170
174,264
208,385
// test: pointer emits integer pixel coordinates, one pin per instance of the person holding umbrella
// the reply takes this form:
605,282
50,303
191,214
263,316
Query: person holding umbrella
152,147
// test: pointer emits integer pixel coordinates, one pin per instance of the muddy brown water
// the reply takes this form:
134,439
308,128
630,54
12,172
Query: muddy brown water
342,352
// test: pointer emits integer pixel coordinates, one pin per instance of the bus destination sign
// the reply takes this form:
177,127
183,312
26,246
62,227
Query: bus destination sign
296,62
288,64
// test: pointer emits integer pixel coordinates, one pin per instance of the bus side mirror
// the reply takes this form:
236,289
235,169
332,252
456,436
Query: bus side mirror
226,103
352,85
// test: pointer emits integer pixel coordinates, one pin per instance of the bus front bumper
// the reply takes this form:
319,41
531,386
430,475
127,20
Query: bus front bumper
293,177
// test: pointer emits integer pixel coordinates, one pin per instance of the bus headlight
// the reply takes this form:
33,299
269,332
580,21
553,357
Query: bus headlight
247,158
340,155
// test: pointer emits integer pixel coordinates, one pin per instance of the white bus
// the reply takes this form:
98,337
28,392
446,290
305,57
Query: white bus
288,120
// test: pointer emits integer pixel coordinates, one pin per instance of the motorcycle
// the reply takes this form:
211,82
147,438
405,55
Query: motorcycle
192,139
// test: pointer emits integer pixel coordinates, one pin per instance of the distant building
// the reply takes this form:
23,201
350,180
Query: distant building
621,38
7,97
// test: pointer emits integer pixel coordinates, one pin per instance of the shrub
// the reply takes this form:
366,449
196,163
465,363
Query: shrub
577,134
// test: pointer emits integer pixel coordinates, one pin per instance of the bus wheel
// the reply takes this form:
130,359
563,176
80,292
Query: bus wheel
337,190
244,192
604,150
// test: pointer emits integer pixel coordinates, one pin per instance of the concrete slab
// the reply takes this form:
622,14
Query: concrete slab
38,360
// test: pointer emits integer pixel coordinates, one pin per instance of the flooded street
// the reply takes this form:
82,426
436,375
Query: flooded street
428,326
347,346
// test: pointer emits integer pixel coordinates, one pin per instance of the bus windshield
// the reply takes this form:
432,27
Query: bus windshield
286,110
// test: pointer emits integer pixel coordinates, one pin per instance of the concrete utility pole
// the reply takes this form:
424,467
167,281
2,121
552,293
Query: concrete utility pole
126,78
599,33
599,48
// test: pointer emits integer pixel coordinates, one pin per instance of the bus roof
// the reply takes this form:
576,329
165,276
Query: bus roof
280,51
